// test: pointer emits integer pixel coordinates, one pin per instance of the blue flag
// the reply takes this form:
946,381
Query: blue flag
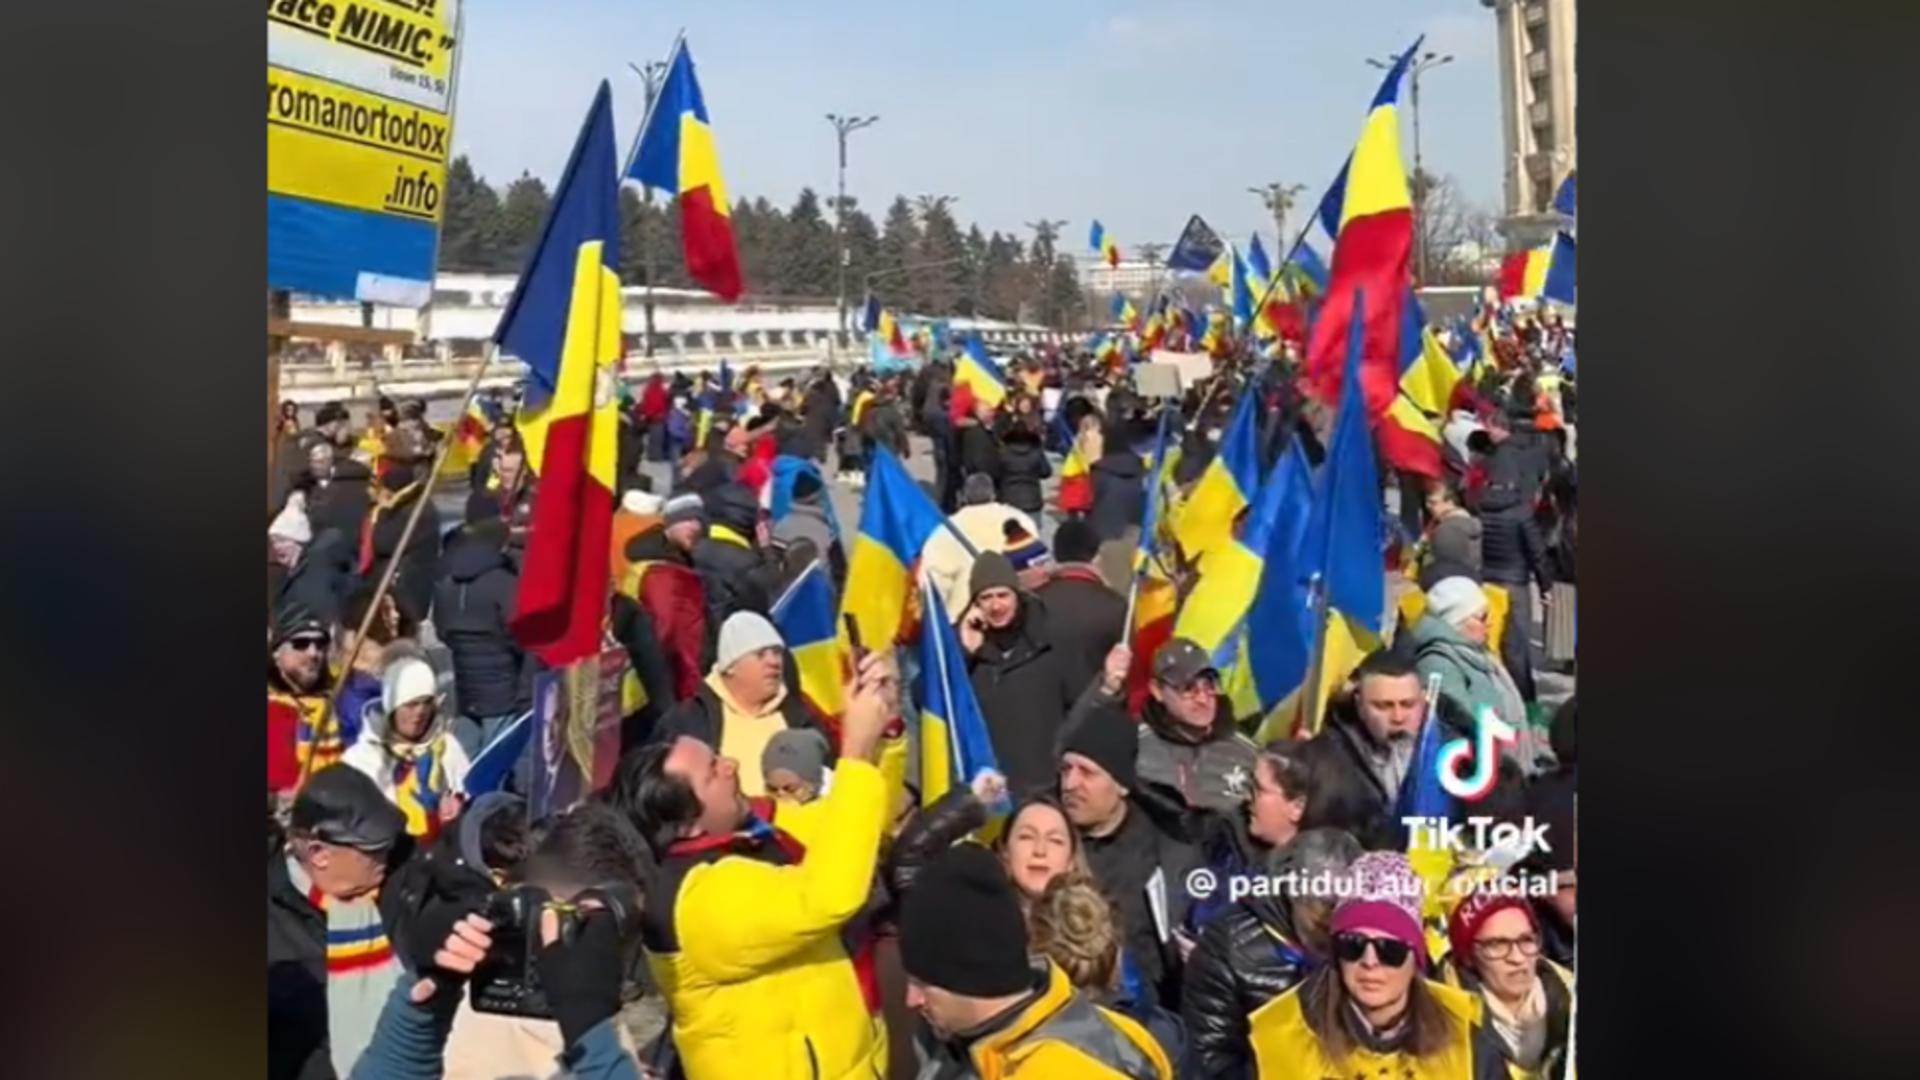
1198,248
954,745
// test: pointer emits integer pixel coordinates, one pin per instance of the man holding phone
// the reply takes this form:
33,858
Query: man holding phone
1021,678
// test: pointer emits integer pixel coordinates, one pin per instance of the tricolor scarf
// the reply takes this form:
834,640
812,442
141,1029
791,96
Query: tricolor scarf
419,782
361,969
317,740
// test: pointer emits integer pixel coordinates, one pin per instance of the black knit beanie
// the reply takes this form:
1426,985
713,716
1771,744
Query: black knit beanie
1110,739
961,928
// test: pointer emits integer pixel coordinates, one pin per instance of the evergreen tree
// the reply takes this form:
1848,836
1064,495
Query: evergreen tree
472,222
522,213
863,255
938,280
1004,278
808,260
1063,302
974,273
899,240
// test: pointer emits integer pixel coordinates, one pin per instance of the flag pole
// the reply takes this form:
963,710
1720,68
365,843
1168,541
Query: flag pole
946,689
646,118
406,534
1152,516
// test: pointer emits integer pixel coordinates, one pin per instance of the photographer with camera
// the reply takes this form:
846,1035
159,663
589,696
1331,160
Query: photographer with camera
541,945
744,919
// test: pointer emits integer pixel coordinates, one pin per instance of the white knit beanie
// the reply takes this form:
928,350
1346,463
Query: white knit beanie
292,524
641,503
1454,600
744,632
407,679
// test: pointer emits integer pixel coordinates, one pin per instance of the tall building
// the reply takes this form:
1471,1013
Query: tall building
1537,80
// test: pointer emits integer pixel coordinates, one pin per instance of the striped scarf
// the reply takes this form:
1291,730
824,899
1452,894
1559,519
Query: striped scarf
317,739
361,969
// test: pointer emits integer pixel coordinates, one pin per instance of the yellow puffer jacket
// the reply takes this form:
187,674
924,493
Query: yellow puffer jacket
747,948
1063,1034
1558,982
1283,1044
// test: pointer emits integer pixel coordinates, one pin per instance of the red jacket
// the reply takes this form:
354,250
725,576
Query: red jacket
670,593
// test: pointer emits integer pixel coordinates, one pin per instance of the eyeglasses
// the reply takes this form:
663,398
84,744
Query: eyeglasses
1204,684
1350,948
307,644
1501,948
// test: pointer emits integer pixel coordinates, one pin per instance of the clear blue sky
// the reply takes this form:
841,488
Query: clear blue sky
1135,113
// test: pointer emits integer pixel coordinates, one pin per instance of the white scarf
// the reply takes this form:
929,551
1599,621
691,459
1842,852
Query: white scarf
1522,1029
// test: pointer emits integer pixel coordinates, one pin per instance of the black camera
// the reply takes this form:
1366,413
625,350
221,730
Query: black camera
508,982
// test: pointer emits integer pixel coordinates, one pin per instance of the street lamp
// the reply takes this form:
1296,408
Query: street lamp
1426,62
842,126
651,76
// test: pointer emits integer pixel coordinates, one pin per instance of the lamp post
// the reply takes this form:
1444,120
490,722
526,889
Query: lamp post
842,126
651,75
1426,62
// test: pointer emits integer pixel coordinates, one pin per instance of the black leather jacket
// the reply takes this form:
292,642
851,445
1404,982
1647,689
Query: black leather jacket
1247,955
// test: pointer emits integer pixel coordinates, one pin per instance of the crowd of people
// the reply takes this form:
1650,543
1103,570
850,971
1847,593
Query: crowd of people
769,875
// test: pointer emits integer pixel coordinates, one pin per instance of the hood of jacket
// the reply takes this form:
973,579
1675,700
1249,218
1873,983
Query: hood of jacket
1430,634
652,545
376,724
469,557
1023,451
734,506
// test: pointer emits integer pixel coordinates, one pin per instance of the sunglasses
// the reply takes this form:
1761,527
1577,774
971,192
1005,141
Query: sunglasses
307,644
1351,948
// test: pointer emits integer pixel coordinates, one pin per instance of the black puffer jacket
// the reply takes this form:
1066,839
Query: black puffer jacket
323,578
1022,681
736,575
472,605
978,450
1119,492
297,1043
1346,793
929,833
1247,955
1023,465
419,560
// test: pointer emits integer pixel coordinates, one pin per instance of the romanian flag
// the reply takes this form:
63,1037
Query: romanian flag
675,154
1205,521
1257,262
1076,482
1343,537
1278,640
564,324
1156,330
469,435
1216,340
1545,272
1153,612
1409,435
870,314
954,745
977,370
1565,197
804,615
895,522
1304,275
1098,239
858,411
1372,243
1241,295
1216,608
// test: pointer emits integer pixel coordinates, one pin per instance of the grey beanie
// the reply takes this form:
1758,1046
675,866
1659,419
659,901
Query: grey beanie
800,751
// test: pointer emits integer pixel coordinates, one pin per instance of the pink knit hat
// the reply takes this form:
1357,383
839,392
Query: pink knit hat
1383,894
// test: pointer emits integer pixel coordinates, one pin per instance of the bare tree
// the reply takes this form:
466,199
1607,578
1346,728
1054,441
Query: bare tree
1460,236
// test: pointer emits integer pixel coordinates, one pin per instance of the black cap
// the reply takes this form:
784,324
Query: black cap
341,805
328,413
965,886
1109,738
294,619
1180,661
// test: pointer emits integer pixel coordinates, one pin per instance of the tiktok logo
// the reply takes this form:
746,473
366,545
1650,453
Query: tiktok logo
1468,769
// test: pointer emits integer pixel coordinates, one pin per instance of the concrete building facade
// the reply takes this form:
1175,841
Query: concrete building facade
1537,112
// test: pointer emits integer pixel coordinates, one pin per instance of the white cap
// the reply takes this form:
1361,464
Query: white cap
641,503
407,679
1456,599
292,524
744,632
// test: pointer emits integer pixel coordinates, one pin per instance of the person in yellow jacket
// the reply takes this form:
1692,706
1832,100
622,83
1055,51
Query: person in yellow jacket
1526,998
1373,1011
745,916
995,1011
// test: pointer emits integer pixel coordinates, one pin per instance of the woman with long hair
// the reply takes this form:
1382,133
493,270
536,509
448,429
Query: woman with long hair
1373,1011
